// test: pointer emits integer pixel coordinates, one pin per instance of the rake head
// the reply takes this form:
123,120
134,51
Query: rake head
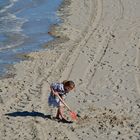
73,115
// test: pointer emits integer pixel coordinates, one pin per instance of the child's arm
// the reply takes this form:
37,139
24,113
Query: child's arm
57,94
53,92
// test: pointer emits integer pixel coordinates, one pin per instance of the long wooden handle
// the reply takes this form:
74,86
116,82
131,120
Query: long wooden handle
64,102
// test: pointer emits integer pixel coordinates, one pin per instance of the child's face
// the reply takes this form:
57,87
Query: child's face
68,89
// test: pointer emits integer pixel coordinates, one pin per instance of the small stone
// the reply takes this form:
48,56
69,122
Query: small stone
117,86
72,129
119,132
131,125
49,134
112,35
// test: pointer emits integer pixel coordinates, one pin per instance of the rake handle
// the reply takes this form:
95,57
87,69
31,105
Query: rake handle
64,102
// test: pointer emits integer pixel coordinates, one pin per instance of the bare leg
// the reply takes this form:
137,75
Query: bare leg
57,114
60,112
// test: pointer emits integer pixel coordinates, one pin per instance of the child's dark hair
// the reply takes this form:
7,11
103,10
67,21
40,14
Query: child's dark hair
68,84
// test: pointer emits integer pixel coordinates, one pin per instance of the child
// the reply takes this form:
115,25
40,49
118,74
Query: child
60,89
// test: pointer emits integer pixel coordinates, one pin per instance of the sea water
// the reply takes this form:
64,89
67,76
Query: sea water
24,26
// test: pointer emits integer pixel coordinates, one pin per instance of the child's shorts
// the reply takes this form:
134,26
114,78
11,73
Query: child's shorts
53,101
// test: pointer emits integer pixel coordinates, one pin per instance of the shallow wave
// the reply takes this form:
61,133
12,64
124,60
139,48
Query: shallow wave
11,23
11,35
9,5
11,45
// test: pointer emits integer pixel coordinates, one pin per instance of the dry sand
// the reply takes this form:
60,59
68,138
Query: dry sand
102,56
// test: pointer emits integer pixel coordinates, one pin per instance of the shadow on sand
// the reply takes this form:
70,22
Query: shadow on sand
26,113
35,114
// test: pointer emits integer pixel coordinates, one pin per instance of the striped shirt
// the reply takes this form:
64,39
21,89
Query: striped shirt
58,87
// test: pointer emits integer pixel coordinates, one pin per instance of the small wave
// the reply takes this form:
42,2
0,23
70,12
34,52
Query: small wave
11,3
11,46
11,23
12,40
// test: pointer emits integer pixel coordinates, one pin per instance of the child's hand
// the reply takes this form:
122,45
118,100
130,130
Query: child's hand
54,93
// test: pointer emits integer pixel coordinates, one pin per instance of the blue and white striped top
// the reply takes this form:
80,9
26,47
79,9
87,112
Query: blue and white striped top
58,87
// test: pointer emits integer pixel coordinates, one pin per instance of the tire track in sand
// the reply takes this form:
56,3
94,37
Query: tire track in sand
30,95
44,105
103,47
137,63
66,74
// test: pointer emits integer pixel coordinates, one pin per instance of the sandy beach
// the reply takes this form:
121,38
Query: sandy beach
98,47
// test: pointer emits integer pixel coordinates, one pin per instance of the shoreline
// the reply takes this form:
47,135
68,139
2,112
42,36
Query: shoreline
54,31
23,55
98,50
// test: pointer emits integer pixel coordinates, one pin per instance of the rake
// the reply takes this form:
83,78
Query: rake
73,114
